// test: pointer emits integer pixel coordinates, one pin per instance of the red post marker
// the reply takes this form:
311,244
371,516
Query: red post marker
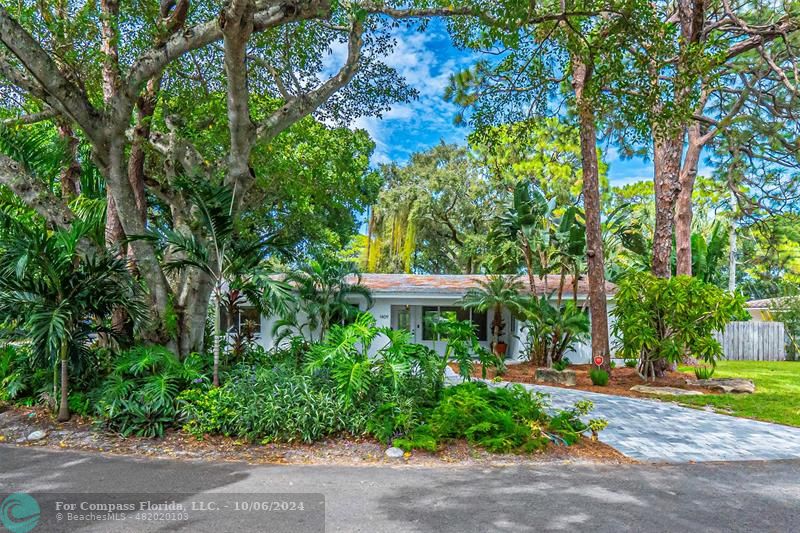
598,360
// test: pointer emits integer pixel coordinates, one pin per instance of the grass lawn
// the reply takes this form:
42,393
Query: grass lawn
777,396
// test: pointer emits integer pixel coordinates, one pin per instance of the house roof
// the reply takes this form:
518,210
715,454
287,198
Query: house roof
460,284
767,303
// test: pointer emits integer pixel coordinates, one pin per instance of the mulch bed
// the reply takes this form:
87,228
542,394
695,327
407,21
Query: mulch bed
622,379
80,434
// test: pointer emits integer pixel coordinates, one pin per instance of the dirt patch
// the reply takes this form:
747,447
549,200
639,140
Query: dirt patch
80,434
622,379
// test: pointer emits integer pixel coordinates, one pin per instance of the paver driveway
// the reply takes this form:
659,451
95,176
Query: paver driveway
650,430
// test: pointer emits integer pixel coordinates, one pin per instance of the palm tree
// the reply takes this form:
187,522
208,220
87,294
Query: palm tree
325,287
496,292
61,290
226,256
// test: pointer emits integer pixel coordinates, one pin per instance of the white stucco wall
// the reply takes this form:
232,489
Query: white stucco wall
382,311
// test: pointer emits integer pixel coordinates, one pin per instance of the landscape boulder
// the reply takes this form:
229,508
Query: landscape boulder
727,385
36,435
561,377
394,453
673,391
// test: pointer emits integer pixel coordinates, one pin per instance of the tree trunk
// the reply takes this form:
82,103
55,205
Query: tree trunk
194,297
148,265
526,250
667,150
683,214
497,321
732,250
217,334
71,175
581,78
63,408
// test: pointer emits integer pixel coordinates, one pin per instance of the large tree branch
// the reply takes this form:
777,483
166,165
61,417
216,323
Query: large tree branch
268,15
237,26
32,118
109,11
34,193
43,69
759,37
304,104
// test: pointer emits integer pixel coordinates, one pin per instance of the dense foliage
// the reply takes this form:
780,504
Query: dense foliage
139,396
552,331
364,380
58,292
662,321
500,420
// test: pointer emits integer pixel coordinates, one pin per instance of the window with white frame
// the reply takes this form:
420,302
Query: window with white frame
431,312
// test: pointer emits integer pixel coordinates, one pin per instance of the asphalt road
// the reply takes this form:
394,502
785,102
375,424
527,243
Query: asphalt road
742,496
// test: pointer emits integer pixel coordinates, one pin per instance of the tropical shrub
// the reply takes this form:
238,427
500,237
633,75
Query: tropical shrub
228,256
631,363
61,292
140,396
324,288
463,347
562,364
661,321
599,377
395,394
339,388
552,331
499,419
704,371
15,372
395,369
272,404
496,293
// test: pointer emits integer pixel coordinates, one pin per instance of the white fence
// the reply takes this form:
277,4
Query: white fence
754,341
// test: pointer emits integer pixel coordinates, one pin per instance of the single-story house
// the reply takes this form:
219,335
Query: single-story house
405,300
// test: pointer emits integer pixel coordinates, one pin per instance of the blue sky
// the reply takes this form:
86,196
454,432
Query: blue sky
426,60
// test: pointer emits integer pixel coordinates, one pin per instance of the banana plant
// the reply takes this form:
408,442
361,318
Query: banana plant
528,219
707,254
570,249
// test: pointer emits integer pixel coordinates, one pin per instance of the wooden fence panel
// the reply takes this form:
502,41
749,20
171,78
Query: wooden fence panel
753,341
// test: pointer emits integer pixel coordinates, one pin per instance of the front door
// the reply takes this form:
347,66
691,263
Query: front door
402,318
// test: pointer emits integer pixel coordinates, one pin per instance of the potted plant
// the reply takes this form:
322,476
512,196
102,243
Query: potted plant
500,348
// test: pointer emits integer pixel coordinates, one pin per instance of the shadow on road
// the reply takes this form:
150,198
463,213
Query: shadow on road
710,497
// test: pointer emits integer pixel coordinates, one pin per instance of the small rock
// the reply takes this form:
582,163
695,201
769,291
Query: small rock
394,453
37,435
550,375
727,385
646,389
20,440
